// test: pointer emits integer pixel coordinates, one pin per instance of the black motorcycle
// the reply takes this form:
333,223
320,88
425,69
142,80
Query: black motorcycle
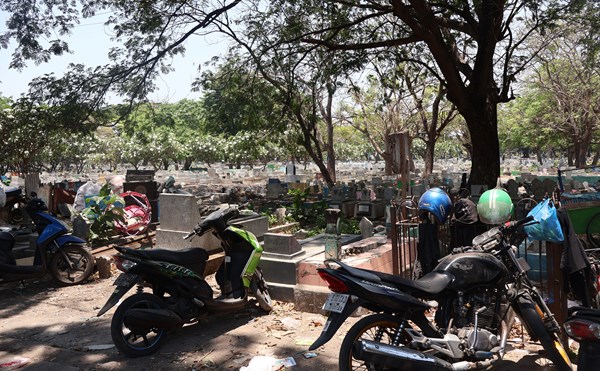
583,326
180,294
479,291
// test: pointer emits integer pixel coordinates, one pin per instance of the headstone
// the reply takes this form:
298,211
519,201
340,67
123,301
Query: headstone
336,193
549,185
281,243
274,190
280,214
512,187
80,228
366,227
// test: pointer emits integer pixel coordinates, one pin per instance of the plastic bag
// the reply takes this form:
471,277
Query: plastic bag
88,189
548,227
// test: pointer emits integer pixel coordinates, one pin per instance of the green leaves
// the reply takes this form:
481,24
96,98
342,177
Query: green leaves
102,213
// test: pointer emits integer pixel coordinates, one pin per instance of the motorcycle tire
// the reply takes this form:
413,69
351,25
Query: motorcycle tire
377,327
260,290
550,341
138,342
82,261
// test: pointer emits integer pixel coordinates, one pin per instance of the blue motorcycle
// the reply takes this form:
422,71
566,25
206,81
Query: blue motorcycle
66,257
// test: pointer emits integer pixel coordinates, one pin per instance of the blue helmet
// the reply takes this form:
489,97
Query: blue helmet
436,202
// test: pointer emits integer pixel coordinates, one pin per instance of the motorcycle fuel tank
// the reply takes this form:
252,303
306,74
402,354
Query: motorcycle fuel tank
473,269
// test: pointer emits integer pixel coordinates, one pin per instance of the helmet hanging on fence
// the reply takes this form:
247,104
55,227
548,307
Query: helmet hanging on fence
494,206
436,202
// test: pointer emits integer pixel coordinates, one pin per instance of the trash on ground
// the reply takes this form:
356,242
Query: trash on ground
290,323
17,362
285,362
309,355
260,363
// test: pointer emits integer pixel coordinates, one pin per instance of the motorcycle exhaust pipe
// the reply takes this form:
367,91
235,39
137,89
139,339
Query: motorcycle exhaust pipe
142,318
402,358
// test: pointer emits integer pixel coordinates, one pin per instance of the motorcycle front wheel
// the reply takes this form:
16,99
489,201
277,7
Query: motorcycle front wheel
531,314
377,327
137,342
72,265
260,290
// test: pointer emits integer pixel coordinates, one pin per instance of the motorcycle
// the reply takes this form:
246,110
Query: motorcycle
583,326
64,256
180,294
479,291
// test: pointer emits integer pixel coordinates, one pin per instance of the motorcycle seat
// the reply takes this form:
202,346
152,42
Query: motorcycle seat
585,312
432,283
184,257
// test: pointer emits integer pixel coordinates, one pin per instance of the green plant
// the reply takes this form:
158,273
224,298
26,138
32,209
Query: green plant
349,226
102,212
312,214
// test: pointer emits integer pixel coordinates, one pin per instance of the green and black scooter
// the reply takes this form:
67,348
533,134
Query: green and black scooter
180,294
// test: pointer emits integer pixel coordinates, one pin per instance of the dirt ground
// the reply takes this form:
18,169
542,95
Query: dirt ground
56,328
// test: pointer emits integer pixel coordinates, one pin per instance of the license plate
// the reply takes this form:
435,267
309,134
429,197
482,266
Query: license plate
336,302
125,279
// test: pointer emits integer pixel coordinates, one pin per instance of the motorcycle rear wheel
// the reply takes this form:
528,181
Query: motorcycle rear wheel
79,266
260,290
550,341
376,327
137,342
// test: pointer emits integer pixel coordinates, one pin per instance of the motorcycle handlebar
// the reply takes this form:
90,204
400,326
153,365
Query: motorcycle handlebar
517,223
492,239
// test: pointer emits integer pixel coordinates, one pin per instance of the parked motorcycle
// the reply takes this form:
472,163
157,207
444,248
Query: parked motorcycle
479,291
64,256
180,294
583,326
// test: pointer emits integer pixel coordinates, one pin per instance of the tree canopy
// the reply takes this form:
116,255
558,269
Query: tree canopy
477,50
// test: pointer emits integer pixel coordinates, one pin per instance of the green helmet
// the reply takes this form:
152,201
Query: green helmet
494,206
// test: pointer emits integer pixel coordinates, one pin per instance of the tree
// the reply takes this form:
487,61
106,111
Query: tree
399,97
236,99
477,48
148,33
306,78
567,82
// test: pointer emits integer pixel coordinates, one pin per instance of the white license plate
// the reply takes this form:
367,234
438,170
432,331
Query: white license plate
336,302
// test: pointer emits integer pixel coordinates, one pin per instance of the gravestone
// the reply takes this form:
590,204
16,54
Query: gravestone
366,228
281,244
512,187
274,191
549,185
179,215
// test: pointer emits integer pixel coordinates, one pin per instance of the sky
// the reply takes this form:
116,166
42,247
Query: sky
90,43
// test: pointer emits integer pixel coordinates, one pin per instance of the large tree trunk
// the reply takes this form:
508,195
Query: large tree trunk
482,121
328,116
429,155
